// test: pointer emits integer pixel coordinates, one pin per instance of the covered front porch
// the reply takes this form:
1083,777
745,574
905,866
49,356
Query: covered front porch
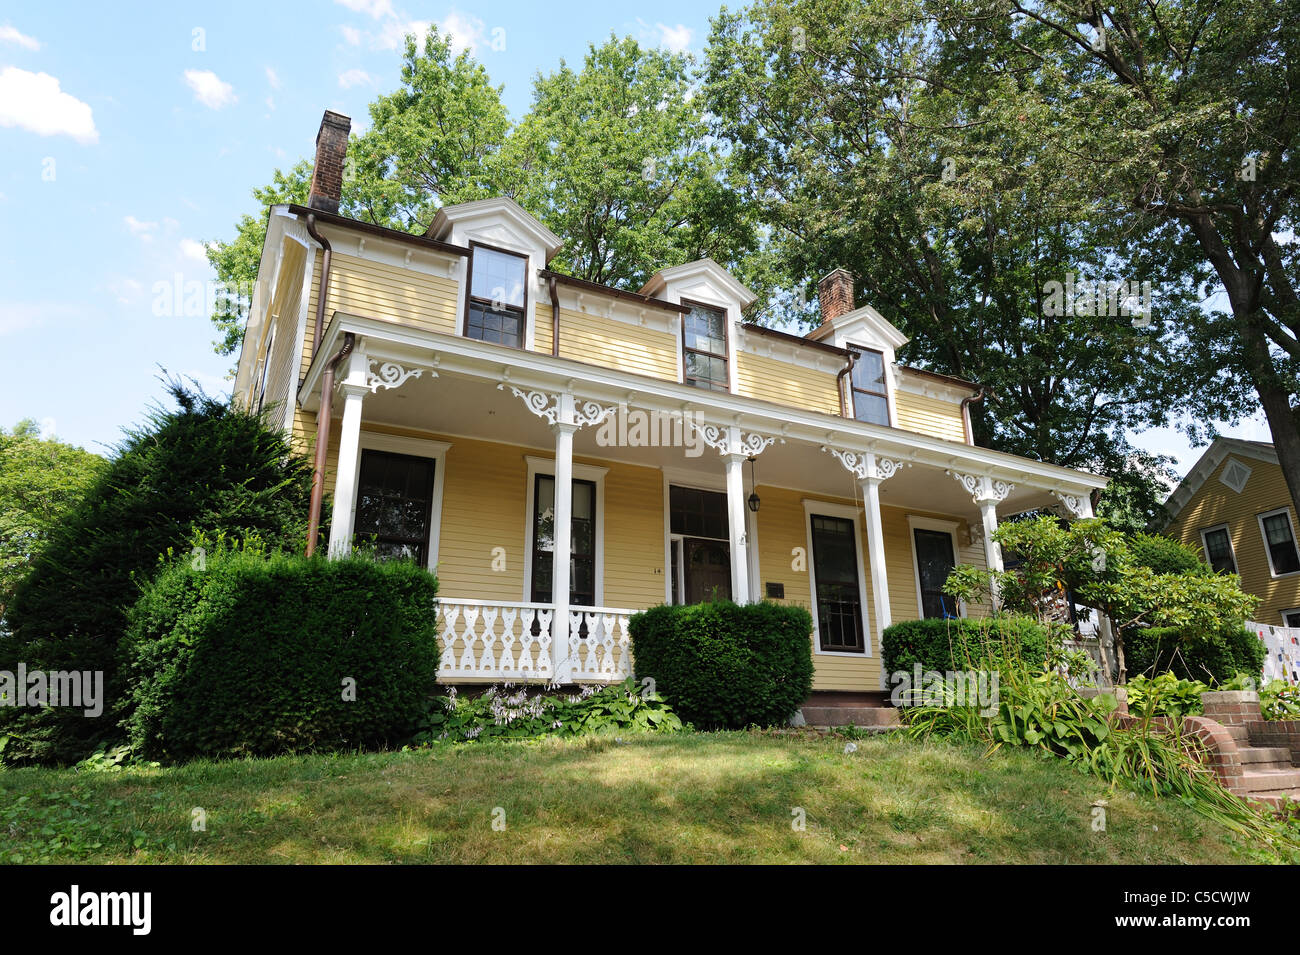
652,481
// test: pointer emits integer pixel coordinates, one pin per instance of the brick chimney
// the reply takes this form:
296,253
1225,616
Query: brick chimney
835,294
331,153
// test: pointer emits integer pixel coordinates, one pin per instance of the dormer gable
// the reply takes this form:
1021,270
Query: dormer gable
499,222
864,327
705,284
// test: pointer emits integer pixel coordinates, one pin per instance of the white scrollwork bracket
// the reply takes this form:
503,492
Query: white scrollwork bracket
583,413
864,465
982,488
392,375
718,437
1077,504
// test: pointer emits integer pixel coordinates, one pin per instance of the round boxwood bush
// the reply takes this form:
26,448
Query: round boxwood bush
258,656
1213,658
725,666
961,643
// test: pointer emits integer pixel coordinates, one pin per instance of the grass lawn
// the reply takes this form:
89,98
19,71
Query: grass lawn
725,797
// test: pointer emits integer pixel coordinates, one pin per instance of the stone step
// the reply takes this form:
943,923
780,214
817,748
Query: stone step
885,716
1239,733
1277,798
1263,780
1259,757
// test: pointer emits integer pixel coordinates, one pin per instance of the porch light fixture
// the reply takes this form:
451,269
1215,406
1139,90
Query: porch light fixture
752,500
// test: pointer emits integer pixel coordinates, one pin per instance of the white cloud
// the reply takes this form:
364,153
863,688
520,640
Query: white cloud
144,230
209,89
376,8
193,249
355,77
465,32
273,78
10,34
352,35
393,34
674,39
34,102
48,428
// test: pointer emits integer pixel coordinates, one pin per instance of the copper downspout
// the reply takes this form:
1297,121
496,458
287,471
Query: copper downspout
555,319
327,390
839,382
965,413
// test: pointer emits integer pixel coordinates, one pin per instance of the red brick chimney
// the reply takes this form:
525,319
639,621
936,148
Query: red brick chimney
835,294
331,153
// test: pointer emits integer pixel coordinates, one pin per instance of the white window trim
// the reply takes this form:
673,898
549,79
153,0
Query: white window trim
1264,537
914,524
419,448
1205,547
1283,614
581,472
854,514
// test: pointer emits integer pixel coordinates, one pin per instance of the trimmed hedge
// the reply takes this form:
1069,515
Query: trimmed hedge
1212,658
726,666
943,645
252,656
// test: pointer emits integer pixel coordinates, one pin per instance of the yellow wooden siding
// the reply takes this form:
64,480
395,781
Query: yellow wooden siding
281,382
377,290
937,417
634,536
770,379
619,346
1215,503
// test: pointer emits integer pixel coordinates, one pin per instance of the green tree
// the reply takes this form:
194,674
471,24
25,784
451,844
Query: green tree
199,468
870,137
41,479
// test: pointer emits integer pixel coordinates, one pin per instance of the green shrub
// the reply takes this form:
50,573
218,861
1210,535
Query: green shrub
1212,658
1164,555
1279,700
962,644
1164,695
725,666
507,712
202,466
254,656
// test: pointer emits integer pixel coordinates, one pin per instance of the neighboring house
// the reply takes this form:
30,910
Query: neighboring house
477,402
1234,507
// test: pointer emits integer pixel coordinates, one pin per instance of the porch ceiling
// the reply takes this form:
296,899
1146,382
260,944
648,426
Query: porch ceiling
472,407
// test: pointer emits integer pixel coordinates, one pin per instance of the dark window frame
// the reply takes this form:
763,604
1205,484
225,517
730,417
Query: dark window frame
421,543
921,589
854,390
823,621
687,378
471,299
1227,536
540,555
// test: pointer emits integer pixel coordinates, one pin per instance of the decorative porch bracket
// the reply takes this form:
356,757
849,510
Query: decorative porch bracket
391,374
566,415
1079,505
731,440
870,469
987,492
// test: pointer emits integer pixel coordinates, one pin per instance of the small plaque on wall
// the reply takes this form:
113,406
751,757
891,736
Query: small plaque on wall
775,591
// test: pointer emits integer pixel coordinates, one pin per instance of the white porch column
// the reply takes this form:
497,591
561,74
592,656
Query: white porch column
354,389
562,538
987,492
738,538
870,487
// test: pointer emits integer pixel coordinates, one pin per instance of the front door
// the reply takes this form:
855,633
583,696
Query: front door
708,570
935,560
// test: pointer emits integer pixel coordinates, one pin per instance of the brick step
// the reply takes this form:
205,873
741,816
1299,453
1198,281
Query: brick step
1257,757
1263,780
1277,797
1239,733
851,716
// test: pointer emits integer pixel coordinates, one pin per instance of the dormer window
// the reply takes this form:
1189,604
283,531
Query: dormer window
704,347
498,298
870,397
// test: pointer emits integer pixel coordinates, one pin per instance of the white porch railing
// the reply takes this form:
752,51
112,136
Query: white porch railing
506,640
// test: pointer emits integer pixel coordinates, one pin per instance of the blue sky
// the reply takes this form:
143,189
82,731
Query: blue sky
129,136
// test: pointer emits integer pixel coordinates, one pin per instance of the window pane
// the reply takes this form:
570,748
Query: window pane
498,277
499,327
705,371
869,371
1219,551
870,408
697,513
1291,618
394,500
706,330
835,568
934,561
1281,544
582,542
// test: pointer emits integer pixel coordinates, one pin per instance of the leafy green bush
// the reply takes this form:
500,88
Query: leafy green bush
203,466
258,656
1214,657
508,713
726,666
1164,555
962,644
1164,695
1279,700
